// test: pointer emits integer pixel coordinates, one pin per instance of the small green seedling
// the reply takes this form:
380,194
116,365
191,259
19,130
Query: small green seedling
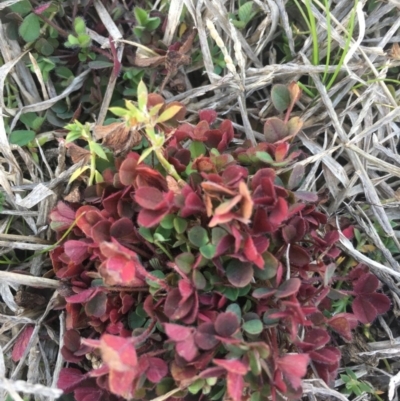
355,386
247,11
80,39
45,65
83,132
145,23
132,76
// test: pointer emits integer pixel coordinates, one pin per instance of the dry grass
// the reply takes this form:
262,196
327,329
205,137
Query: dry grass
351,135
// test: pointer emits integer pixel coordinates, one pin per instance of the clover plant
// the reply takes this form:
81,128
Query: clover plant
198,267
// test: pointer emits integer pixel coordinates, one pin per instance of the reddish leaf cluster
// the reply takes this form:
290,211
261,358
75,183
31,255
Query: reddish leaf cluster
218,138
367,304
222,285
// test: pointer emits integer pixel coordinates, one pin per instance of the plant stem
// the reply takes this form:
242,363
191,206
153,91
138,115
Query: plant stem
164,249
158,150
142,337
169,168
151,277
65,235
92,168
53,25
102,52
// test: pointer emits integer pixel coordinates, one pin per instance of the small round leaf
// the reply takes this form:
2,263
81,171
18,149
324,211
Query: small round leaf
198,236
239,273
288,288
30,28
226,324
275,130
199,280
185,262
231,293
280,96
208,251
135,321
180,225
235,308
254,326
22,8
168,221
21,137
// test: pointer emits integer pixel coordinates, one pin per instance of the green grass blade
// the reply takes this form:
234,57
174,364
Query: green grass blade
346,46
314,35
306,90
328,39
371,81
303,15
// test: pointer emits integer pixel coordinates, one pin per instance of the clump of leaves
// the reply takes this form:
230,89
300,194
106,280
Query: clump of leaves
216,55
78,131
59,37
145,23
80,39
354,385
364,245
246,12
198,268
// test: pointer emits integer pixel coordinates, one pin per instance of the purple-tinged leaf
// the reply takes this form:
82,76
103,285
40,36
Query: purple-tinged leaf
294,368
82,297
367,283
176,332
288,288
275,130
316,338
101,231
97,306
226,324
380,301
205,337
208,115
62,217
238,273
296,176
342,324
232,366
157,370
366,307
298,256
279,213
235,386
149,198
326,356
69,379
187,349
77,251
364,310
21,343
263,293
